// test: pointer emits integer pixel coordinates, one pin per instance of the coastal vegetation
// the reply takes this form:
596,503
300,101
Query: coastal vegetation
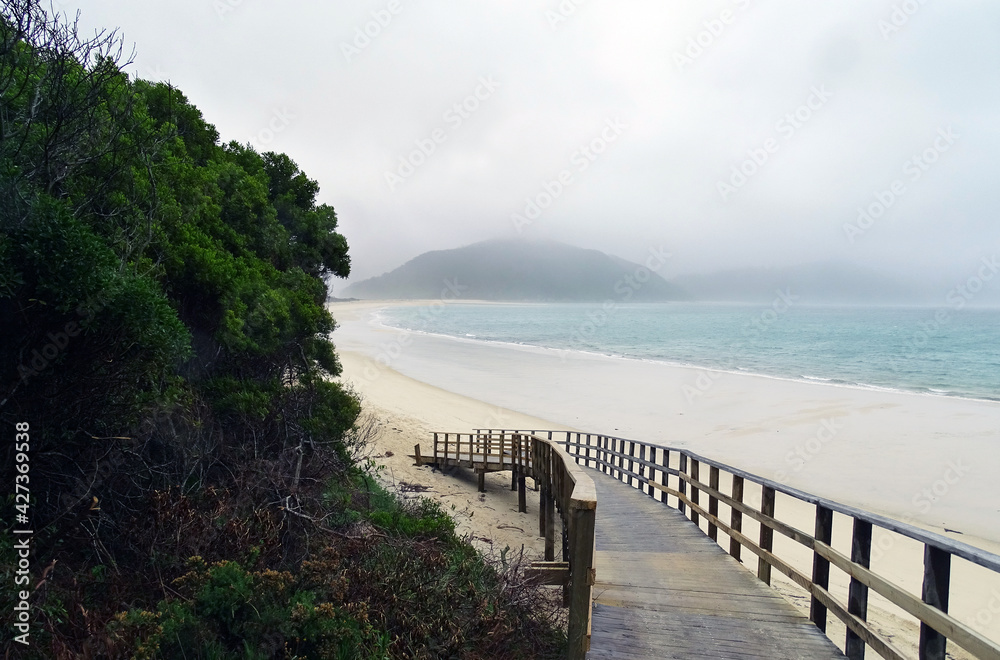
199,482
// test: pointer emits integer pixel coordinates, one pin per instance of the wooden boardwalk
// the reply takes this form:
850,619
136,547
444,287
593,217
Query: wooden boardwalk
666,590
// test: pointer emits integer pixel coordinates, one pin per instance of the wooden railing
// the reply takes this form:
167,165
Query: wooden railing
676,477
570,490
564,488
484,453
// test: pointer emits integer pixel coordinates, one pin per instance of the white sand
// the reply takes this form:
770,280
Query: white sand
932,461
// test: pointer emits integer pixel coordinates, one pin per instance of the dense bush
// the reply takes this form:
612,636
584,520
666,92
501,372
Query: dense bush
163,330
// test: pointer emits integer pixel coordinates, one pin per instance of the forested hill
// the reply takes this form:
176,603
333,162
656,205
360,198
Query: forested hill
514,270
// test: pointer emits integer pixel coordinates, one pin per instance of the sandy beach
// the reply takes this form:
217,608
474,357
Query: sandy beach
931,461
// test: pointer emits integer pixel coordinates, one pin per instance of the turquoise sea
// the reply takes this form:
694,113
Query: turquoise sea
944,351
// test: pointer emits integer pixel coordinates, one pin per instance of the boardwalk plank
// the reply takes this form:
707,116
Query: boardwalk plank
666,590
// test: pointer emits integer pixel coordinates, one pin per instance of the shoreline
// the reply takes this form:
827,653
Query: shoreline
806,380
376,306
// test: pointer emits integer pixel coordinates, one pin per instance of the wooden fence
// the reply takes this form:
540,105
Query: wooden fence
676,477
564,488
483,453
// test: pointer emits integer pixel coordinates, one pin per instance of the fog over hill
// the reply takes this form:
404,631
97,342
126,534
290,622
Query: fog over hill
516,270
832,283
548,271
825,283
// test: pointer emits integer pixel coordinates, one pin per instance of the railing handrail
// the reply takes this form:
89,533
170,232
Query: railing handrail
931,608
584,494
552,468
957,548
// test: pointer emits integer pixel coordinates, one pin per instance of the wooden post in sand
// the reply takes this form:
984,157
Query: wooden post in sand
695,492
937,584
522,460
766,534
581,581
664,475
821,566
713,502
631,462
642,469
681,484
539,470
736,518
857,599
416,455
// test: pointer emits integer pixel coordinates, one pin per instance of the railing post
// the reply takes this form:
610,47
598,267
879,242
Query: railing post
937,584
621,460
550,507
649,474
543,505
522,469
581,580
604,453
614,459
821,566
586,463
736,518
713,502
642,467
664,475
681,484
522,498
631,463
695,492
857,598
766,534
514,463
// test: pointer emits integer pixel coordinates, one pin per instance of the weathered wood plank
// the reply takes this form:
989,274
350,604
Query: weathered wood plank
671,592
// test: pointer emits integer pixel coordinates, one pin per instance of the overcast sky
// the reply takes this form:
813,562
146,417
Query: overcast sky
643,109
